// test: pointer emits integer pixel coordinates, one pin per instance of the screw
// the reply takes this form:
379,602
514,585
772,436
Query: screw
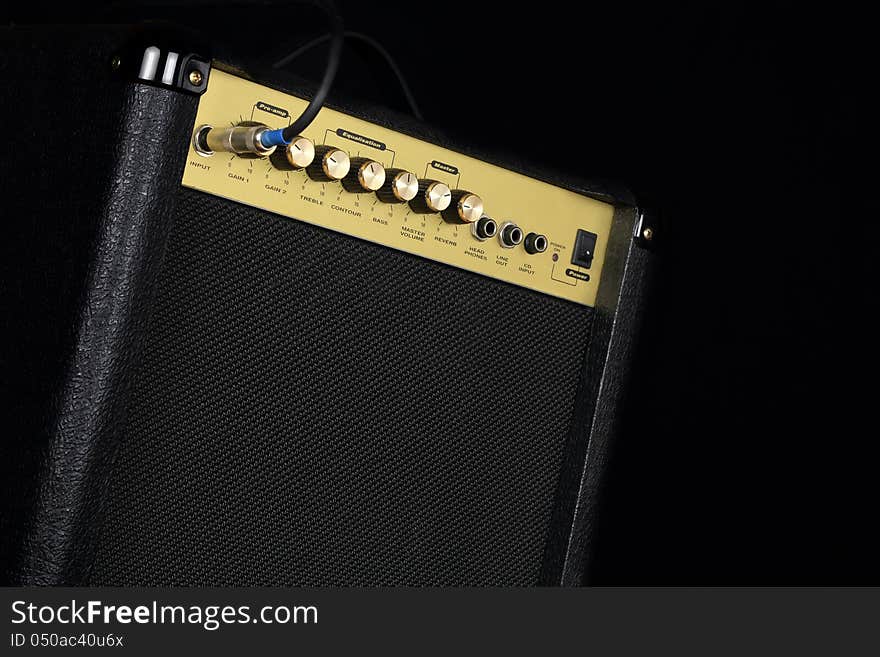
115,63
195,77
648,234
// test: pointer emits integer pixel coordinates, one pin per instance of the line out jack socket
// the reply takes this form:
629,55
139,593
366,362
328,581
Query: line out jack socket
510,235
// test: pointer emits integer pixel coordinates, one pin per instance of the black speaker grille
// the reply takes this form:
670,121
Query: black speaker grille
313,409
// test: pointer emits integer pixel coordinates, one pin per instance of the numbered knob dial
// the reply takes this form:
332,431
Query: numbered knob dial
365,175
330,164
464,208
400,186
433,196
298,154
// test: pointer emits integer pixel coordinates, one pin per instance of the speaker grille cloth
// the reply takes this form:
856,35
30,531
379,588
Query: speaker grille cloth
312,409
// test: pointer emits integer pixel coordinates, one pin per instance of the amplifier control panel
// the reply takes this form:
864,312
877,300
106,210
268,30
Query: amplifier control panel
368,181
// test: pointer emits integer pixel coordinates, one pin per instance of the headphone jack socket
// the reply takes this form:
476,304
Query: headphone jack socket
485,228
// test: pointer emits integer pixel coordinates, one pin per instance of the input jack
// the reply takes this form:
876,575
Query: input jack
510,235
242,139
535,243
484,228
200,140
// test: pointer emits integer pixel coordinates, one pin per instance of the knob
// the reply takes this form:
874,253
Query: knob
400,186
365,175
433,196
535,243
465,208
330,164
298,154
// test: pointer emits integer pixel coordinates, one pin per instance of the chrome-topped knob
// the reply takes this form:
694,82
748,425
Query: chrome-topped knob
464,208
330,164
365,175
433,196
298,154
400,186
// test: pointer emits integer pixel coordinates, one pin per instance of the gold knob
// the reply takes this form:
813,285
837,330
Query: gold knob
464,208
365,175
400,186
298,154
330,164
433,196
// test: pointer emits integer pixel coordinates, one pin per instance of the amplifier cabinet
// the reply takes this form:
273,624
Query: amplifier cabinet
230,371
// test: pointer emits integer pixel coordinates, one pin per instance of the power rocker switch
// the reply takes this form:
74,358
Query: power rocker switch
584,248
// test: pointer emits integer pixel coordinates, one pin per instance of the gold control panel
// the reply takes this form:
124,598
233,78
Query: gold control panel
575,228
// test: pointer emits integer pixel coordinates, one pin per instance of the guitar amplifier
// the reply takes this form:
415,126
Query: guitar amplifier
374,357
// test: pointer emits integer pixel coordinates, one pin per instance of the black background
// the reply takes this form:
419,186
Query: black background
747,455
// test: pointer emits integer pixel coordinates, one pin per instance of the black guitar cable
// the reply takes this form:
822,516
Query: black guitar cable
270,138
375,45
